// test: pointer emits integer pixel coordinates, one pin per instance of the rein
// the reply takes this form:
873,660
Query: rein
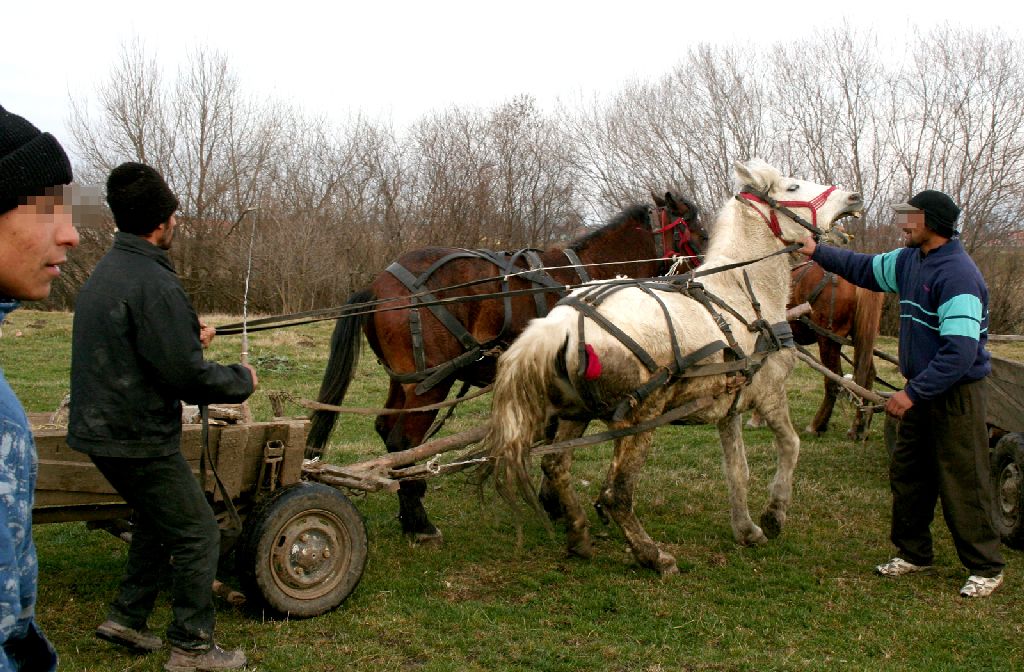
370,307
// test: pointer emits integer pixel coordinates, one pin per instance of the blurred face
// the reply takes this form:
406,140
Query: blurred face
914,231
34,241
163,234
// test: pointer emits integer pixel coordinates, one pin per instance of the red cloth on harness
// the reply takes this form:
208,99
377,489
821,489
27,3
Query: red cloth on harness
593,369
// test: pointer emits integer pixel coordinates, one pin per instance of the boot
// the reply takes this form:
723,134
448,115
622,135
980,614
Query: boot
204,660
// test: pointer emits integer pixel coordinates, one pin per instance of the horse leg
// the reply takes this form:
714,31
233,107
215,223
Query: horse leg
561,496
830,353
401,432
737,475
787,446
616,499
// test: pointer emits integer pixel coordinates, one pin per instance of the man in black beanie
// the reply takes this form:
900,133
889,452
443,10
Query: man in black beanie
36,232
137,352
941,451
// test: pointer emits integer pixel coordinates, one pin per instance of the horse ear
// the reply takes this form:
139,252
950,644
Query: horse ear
658,201
757,173
743,175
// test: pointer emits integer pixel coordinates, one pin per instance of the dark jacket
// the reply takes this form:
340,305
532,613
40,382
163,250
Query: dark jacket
136,355
943,311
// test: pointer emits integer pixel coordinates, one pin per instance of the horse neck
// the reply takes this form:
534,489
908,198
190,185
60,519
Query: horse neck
740,235
628,240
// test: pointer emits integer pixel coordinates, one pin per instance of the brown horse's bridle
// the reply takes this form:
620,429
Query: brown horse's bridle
676,232
750,195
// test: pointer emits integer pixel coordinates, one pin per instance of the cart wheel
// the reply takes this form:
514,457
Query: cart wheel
1008,489
303,550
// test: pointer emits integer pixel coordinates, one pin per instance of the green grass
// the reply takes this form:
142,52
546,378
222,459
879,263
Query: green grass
805,601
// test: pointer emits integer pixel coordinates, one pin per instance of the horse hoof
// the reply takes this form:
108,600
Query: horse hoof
582,549
666,564
771,525
755,537
426,539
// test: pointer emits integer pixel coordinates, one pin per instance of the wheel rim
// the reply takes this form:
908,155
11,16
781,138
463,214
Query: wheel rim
1009,493
310,554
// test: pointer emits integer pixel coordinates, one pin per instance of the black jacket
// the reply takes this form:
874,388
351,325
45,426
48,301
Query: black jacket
136,355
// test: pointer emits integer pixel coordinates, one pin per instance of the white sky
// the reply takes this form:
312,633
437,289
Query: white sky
399,59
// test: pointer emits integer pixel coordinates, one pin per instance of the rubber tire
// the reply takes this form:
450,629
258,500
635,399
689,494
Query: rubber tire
1008,489
286,536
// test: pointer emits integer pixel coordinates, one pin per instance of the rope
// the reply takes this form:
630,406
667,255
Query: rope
319,406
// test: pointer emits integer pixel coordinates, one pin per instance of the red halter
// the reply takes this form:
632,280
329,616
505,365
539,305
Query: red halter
688,245
773,223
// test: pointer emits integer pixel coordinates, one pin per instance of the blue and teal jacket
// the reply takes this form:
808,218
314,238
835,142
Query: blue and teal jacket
943,310
23,645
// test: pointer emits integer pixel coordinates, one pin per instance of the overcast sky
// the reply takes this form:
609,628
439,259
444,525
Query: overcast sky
399,59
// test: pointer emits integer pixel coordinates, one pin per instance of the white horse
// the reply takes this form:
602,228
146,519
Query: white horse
552,373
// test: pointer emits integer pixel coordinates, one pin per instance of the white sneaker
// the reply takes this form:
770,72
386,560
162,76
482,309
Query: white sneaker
900,567
980,586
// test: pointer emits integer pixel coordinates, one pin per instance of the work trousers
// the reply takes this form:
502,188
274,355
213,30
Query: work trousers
941,453
174,530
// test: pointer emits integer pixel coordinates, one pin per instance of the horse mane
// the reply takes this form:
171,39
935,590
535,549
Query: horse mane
632,213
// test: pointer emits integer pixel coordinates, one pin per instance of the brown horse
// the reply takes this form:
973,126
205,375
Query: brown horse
846,311
425,349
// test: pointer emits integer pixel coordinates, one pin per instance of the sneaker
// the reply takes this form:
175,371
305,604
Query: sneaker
204,660
980,586
900,567
143,641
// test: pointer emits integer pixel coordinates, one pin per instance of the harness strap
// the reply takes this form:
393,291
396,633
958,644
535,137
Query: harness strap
416,330
581,269
608,326
539,300
442,314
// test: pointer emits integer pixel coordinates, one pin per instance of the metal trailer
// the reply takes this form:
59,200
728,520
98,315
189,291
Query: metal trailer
302,546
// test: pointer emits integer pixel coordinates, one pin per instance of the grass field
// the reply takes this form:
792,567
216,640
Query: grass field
805,601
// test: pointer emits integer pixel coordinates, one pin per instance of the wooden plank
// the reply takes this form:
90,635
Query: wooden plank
233,443
293,434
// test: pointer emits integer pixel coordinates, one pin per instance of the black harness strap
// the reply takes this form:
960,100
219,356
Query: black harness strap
575,260
770,339
442,314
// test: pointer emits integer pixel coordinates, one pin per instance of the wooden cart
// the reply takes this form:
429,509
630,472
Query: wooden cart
302,546
1006,419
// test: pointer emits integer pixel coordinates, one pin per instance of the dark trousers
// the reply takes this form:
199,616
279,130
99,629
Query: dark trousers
172,521
942,454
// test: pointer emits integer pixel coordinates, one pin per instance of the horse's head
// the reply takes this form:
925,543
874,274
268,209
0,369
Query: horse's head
790,207
677,221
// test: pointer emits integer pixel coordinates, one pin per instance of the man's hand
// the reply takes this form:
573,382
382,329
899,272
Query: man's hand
206,334
898,404
255,379
809,246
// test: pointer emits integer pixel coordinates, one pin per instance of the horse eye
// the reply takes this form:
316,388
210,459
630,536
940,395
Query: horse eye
793,187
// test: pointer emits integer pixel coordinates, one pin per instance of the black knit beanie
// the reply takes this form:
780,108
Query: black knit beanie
139,198
30,161
940,212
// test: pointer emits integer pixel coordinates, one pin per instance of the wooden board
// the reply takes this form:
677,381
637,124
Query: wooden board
69,487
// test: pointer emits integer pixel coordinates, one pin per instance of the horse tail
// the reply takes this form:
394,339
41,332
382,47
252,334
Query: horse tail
867,317
526,374
341,366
